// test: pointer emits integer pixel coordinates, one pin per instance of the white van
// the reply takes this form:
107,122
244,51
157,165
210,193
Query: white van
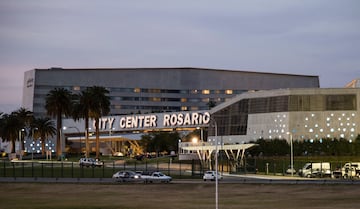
311,170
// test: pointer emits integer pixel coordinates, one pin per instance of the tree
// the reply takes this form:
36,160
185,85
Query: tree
81,111
58,104
99,105
10,127
26,117
45,128
160,141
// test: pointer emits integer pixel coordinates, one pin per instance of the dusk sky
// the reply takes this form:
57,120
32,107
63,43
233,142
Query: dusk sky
310,37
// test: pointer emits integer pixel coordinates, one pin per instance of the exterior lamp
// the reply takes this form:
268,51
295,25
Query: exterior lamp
291,154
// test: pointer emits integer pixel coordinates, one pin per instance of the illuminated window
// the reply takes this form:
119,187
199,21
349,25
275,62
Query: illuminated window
194,91
206,91
194,108
229,91
184,108
183,99
155,99
206,100
137,90
154,91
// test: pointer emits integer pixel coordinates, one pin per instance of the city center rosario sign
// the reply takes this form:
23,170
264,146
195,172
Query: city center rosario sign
154,121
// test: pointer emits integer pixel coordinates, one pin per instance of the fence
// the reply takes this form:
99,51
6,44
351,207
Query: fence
64,169
177,169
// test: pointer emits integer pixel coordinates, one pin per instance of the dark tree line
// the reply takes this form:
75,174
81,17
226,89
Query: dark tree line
323,147
160,142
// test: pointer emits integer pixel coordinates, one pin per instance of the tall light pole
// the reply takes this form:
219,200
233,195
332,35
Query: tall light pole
33,143
216,167
291,154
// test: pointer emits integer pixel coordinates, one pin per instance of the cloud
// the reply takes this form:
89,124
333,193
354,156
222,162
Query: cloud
305,37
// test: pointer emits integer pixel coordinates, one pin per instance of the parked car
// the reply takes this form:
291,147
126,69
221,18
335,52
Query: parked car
291,170
126,176
118,154
155,177
210,175
349,170
90,162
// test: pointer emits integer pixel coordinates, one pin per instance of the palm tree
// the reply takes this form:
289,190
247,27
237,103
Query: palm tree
26,117
81,110
58,104
99,106
10,126
45,128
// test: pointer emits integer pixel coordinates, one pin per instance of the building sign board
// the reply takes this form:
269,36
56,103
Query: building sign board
153,121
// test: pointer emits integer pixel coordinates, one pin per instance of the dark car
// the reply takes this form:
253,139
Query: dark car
126,176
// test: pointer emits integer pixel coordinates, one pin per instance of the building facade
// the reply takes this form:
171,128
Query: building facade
148,90
300,114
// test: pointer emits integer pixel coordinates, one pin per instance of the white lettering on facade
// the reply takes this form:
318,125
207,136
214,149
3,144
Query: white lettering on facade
138,121
105,123
186,119
150,121
111,123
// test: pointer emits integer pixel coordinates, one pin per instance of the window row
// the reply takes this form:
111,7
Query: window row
164,99
145,90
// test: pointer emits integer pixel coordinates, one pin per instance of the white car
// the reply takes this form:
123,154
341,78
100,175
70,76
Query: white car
156,177
90,162
210,175
118,154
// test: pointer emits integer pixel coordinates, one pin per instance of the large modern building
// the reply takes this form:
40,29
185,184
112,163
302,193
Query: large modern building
300,114
138,93
249,105
148,90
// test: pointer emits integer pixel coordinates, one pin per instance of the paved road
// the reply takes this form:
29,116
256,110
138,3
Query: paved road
228,179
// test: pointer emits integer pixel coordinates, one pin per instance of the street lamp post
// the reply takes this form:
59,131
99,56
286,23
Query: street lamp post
291,154
33,143
216,170
216,167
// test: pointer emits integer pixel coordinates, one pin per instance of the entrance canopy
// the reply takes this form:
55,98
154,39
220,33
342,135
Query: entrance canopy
206,150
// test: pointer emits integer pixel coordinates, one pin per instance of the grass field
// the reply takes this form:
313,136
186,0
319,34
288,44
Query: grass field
180,196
